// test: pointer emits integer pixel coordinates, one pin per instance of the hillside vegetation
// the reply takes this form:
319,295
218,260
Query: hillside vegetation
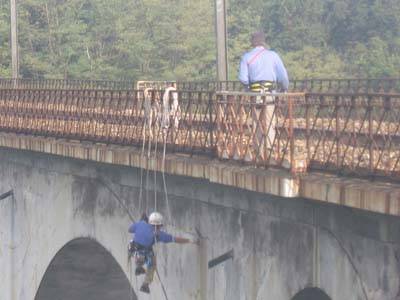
174,39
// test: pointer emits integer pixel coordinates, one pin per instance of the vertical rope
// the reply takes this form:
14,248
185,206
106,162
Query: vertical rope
141,172
158,274
155,173
130,277
165,124
147,175
163,177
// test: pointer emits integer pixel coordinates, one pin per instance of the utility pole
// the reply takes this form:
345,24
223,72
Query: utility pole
14,40
220,29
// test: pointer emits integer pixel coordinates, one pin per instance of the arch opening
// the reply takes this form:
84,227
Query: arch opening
311,293
84,270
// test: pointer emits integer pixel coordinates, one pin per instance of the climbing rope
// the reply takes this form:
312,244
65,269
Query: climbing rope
161,117
141,175
146,106
158,117
168,112
155,173
162,285
132,220
147,175
164,181
163,122
129,266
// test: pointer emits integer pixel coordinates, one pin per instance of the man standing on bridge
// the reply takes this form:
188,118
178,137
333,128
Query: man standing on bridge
262,71
145,235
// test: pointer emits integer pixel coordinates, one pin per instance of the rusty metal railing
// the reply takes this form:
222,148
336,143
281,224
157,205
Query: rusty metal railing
354,134
350,85
257,128
353,85
65,84
107,116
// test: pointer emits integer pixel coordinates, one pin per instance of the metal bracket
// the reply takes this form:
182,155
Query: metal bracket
6,195
220,259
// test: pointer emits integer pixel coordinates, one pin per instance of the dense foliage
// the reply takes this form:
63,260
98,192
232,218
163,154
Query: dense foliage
174,39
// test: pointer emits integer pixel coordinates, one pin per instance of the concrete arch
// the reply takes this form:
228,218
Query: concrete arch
84,269
311,293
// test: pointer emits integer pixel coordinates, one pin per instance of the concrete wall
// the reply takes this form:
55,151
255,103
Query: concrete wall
281,246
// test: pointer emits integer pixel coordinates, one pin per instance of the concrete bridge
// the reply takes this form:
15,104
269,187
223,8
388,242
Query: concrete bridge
295,234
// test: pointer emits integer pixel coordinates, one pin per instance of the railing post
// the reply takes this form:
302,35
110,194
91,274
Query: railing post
307,128
370,134
190,103
211,124
291,137
337,131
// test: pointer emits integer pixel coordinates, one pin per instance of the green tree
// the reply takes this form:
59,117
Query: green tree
175,39
375,59
314,62
5,54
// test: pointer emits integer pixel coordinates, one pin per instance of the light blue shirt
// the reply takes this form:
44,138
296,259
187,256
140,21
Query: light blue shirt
260,64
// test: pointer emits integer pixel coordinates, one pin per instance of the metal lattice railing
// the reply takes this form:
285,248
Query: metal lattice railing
356,134
257,128
65,84
118,117
350,133
351,85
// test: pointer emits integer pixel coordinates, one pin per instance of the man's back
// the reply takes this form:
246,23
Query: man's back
262,65
145,235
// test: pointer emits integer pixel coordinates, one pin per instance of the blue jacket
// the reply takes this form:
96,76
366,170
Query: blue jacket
260,64
145,236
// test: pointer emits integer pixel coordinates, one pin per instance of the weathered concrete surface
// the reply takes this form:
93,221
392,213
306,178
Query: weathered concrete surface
281,246
381,197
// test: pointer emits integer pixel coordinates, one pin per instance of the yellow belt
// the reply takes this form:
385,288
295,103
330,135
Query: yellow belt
262,86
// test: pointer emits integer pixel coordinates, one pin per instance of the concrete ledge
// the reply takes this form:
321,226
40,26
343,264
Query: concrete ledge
372,196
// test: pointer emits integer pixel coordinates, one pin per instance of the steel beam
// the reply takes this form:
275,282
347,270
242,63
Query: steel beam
220,259
7,194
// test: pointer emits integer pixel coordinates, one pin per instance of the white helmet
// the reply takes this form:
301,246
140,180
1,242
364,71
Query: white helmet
156,218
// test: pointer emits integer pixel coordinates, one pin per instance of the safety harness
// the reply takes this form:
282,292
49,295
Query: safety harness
263,85
141,254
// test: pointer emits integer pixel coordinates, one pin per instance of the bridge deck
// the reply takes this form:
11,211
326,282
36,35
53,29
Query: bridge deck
352,134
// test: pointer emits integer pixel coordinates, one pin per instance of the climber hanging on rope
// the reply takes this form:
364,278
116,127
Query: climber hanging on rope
145,234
